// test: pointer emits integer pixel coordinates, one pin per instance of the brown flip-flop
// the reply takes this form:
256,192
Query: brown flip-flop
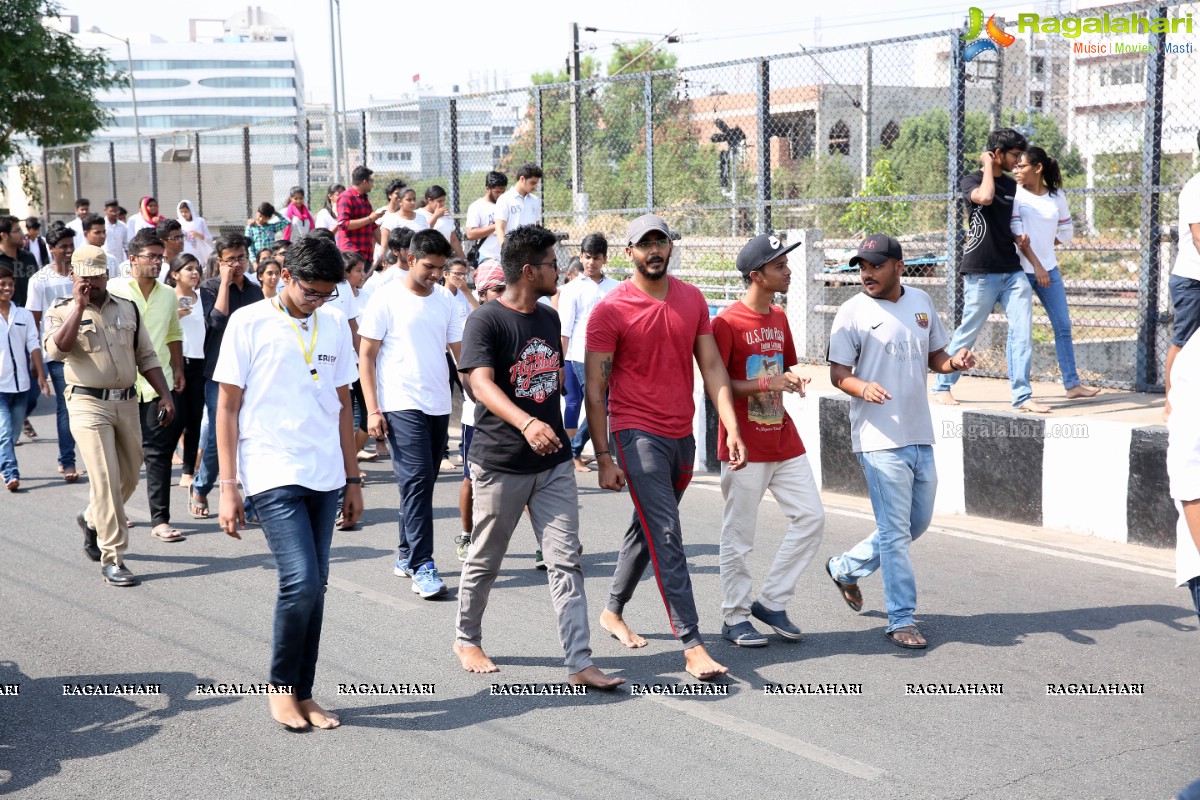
849,591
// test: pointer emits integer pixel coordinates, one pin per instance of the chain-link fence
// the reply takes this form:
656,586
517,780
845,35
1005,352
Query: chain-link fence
843,141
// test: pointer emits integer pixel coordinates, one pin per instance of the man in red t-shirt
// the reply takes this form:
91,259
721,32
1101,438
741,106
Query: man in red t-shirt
756,345
640,342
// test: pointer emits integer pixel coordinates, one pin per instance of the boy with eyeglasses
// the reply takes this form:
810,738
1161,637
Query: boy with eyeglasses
291,352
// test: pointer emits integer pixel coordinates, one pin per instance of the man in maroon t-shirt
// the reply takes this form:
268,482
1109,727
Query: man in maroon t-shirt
756,346
640,342
356,221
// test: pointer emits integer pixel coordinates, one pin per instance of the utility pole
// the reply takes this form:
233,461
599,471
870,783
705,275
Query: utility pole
337,158
579,204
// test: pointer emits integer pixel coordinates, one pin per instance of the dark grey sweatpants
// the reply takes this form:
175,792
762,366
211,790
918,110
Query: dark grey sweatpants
657,470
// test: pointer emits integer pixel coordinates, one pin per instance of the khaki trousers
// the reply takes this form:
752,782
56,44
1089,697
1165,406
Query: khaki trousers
108,434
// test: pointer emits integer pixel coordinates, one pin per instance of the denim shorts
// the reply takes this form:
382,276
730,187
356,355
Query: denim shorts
1185,297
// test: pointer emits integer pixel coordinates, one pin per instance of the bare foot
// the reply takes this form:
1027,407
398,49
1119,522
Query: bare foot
287,712
945,398
1032,407
319,717
593,677
474,659
581,465
1075,392
700,664
615,625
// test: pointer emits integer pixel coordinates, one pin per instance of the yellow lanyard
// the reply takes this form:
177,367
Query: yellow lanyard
311,348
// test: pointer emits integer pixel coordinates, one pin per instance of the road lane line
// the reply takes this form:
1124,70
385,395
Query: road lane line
705,713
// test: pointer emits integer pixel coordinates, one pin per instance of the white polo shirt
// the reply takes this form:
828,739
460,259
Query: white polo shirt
287,436
517,211
413,332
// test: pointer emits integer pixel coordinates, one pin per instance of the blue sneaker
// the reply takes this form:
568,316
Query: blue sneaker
778,620
427,583
401,569
744,635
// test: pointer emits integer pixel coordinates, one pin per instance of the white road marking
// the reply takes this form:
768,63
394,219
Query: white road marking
705,712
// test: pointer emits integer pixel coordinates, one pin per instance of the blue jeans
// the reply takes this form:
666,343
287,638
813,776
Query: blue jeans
206,476
902,483
1190,792
980,295
417,441
66,442
298,524
1054,300
581,436
1194,589
12,416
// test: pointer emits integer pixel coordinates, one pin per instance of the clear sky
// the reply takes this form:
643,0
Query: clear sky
451,43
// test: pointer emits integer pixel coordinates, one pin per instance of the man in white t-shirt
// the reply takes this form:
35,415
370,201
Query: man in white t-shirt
519,205
1184,284
116,235
82,207
882,344
575,303
285,430
95,233
404,333
481,218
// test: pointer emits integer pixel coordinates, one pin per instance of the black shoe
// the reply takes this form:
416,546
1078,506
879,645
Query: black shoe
90,548
117,575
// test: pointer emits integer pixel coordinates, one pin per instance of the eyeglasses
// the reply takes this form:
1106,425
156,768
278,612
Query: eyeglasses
551,263
175,238
233,262
316,297
153,258
654,244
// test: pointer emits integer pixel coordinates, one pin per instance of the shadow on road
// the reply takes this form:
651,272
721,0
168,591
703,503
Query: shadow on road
41,728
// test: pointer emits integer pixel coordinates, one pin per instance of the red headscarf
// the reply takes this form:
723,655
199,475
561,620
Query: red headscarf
146,214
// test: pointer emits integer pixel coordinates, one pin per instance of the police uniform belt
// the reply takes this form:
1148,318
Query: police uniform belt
106,394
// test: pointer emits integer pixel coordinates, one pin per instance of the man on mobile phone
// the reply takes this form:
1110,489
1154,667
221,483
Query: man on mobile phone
103,344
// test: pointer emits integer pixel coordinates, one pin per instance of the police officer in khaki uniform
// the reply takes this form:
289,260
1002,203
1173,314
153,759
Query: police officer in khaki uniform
103,345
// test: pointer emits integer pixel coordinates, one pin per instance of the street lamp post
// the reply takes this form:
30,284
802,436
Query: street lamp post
137,127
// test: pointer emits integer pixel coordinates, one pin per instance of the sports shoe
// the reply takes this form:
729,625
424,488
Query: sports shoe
427,583
778,620
538,561
462,543
743,635
401,569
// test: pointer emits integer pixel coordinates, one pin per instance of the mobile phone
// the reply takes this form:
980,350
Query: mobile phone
162,415
185,302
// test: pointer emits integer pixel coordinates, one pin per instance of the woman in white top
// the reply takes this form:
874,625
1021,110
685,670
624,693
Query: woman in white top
197,240
327,216
1040,221
184,275
437,216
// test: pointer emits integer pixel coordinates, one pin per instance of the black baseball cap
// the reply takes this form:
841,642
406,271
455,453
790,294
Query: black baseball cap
876,249
760,250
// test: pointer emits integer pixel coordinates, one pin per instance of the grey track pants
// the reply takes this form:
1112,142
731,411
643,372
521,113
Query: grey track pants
657,470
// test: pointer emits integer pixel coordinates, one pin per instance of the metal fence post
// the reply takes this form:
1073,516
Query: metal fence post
1147,377
76,180
954,160
46,182
648,99
308,159
112,169
865,101
246,167
454,158
153,168
537,126
764,145
362,134
199,175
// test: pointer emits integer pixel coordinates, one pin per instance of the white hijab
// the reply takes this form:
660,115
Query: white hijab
197,240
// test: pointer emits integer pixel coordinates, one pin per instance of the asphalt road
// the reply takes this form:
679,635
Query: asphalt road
995,611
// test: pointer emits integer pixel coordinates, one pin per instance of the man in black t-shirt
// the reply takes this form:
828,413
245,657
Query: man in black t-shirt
512,363
991,270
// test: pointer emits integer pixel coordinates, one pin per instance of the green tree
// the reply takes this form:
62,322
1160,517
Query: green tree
876,216
49,84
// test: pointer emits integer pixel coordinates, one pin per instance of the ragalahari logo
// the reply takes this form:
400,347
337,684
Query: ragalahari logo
996,35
